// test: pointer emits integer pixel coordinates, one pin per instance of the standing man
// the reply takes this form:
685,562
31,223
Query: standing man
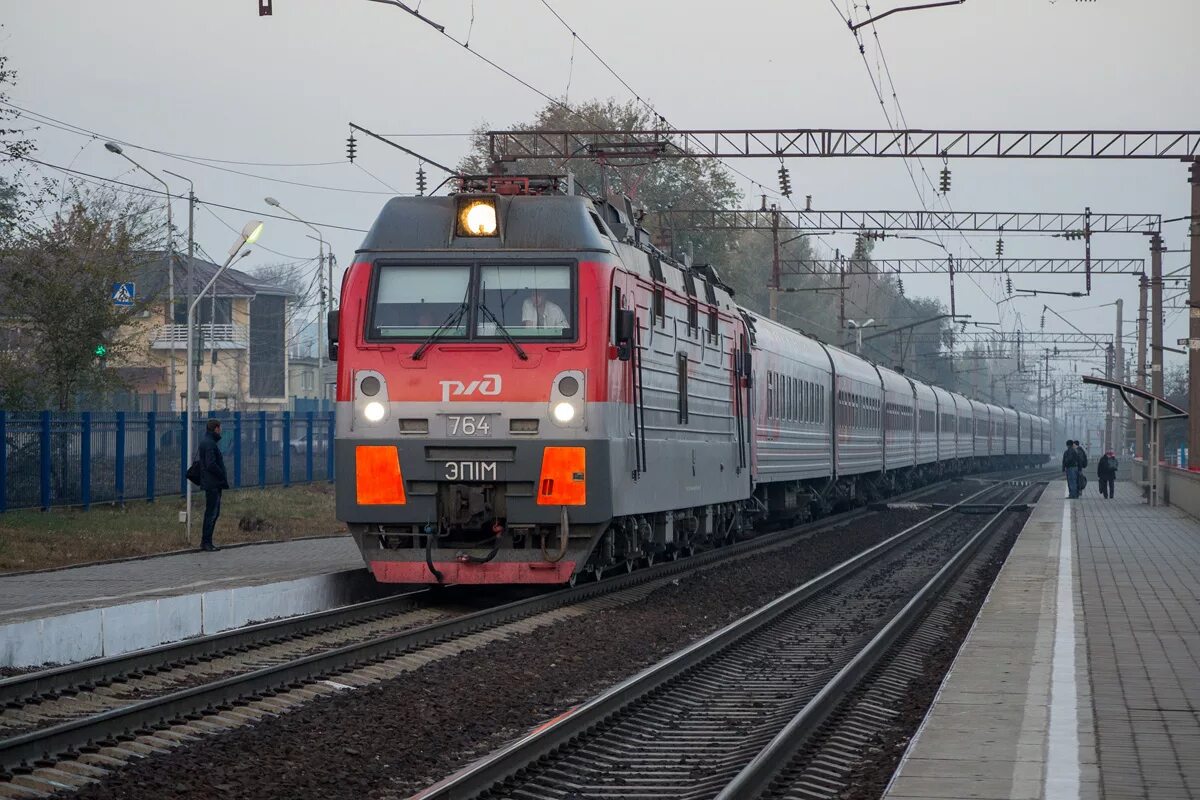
1081,454
1106,471
1070,465
213,480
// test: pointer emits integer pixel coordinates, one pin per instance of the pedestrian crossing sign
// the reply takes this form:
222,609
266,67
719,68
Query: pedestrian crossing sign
123,294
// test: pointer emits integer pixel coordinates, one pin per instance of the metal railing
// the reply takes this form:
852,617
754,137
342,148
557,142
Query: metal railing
52,459
209,333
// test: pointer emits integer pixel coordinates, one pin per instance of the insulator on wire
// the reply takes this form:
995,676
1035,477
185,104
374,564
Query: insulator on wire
421,179
785,181
1008,283
1043,320
999,248
900,286
945,180
351,147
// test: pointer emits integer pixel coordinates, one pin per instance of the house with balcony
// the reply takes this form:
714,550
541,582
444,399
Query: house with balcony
241,354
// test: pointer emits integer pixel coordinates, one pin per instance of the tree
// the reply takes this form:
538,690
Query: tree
56,286
16,203
653,184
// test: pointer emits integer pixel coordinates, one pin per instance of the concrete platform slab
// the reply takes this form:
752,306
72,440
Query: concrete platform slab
70,615
1081,676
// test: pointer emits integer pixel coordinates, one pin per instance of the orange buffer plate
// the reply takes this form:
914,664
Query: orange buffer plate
377,476
564,477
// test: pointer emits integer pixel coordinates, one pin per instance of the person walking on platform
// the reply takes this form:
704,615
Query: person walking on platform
1070,465
213,480
1106,471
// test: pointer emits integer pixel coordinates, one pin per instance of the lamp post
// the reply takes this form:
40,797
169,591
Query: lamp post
187,291
321,247
857,327
250,233
113,147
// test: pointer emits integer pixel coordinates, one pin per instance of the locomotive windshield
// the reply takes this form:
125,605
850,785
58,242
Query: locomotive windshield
522,301
417,300
527,300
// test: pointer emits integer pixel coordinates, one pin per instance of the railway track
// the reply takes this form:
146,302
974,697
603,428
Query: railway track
60,722
729,714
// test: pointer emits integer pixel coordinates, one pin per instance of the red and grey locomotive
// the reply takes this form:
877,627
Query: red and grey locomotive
528,390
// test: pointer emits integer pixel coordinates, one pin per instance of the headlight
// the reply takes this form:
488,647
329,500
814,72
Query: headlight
373,411
564,412
477,218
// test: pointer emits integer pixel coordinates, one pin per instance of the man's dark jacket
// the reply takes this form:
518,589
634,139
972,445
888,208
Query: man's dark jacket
212,463
1107,468
1071,458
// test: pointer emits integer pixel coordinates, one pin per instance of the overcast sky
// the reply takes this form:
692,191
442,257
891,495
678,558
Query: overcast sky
211,79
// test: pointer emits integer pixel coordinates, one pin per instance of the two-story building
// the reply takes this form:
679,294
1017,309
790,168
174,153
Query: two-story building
241,354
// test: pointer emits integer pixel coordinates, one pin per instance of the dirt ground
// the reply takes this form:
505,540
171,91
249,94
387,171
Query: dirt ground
31,539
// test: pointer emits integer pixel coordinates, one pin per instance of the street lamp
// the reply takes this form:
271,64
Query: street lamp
857,327
249,235
321,247
113,147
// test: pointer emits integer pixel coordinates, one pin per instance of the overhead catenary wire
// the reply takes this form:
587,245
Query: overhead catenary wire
160,193
553,101
53,122
903,121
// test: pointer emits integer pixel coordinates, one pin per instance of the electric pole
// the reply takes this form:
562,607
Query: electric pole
775,277
1156,315
1194,324
1139,424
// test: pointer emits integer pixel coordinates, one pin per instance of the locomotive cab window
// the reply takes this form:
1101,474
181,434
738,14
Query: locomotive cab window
528,300
484,301
415,300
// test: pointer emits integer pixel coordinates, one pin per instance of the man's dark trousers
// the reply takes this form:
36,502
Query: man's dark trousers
212,510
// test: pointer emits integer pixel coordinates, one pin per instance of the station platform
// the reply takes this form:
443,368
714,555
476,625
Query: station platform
1081,675
67,615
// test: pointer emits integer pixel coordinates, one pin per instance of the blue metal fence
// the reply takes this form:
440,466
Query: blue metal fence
52,459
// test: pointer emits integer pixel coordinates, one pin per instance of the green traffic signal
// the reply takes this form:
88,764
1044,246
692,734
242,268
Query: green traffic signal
101,351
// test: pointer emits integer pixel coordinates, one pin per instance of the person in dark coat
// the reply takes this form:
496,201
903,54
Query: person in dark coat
1070,465
213,480
1106,471
1081,454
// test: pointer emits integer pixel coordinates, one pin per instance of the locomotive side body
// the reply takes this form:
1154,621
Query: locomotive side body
492,427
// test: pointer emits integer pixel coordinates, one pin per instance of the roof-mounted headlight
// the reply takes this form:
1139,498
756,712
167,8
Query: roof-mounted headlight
477,217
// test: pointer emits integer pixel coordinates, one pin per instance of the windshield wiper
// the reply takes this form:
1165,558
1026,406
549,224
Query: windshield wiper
504,332
450,322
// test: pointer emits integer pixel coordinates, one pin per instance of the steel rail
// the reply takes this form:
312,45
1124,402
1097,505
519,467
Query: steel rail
757,776
65,738
31,687
486,773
